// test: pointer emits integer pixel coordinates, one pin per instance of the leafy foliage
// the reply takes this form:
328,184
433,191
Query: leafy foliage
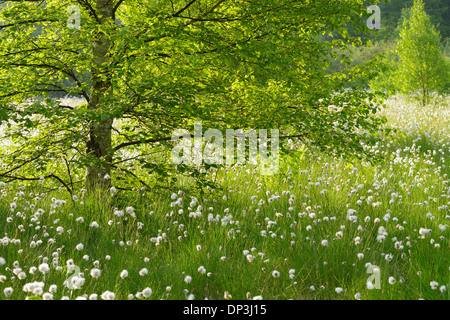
422,65
145,69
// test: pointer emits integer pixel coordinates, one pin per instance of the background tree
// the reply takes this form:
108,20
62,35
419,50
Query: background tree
438,10
422,65
145,68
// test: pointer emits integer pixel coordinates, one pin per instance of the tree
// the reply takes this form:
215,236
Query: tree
392,11
146,68
422,65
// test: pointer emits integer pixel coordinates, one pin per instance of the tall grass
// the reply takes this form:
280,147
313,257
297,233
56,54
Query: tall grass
406,194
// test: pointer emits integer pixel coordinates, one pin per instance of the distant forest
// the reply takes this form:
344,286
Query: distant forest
392,13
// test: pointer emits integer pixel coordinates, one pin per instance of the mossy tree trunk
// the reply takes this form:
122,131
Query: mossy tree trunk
99,144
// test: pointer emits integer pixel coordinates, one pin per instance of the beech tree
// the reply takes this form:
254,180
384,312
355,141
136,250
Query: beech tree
145,68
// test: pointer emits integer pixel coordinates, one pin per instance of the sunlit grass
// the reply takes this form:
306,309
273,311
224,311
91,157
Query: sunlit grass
408,192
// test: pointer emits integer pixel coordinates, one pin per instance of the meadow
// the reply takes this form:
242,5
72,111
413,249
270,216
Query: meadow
323,228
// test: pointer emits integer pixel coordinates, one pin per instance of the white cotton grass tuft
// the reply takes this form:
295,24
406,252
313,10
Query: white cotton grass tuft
94,224
202,270
339,290
44,268
95,273
108,295
47,296
434,285
53,288
143,272
147,292
8,292
130,211
124,274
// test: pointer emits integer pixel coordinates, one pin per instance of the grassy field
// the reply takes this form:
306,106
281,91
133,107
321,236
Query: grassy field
315,231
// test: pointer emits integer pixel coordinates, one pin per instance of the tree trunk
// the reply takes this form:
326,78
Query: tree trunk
423,95
99,144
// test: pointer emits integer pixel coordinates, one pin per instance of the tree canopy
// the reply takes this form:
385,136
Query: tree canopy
146,68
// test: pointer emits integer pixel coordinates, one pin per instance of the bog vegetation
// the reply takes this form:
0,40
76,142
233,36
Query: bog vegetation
91,206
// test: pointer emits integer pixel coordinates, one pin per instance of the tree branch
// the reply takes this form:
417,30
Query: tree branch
89,8
116,7
12,177
26,22
67,72
135,176
177,14
137,142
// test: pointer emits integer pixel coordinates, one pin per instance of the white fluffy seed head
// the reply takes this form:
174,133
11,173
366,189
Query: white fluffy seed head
44,268
275,274
147,292
95,273
124,274
143,272
8,292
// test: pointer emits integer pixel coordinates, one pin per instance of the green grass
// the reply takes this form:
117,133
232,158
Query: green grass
419,177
